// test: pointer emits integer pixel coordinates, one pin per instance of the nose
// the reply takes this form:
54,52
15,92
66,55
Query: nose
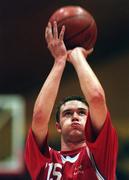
75,117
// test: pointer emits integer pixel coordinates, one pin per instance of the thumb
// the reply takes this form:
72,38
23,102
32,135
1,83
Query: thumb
89,51
68,54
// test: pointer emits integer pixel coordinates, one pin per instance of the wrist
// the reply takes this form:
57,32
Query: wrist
76,56
78,60
61,59
60,62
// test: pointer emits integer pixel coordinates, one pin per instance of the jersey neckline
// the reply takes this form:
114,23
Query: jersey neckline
71,152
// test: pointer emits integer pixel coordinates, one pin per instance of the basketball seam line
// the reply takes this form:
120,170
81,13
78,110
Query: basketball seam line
70,17
85,28
77,34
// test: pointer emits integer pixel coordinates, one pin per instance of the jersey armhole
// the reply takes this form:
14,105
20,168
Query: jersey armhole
89,131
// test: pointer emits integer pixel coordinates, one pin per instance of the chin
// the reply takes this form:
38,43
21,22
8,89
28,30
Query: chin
77,135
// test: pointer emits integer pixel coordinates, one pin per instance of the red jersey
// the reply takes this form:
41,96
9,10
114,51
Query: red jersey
95,161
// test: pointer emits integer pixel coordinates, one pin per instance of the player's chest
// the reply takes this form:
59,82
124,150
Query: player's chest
70,168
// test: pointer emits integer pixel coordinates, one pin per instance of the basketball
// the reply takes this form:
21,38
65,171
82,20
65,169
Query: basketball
81,29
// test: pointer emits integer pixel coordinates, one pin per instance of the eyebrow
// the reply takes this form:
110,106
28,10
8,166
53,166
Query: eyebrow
70,109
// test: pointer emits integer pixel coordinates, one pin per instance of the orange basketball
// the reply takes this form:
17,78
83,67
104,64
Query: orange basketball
81,29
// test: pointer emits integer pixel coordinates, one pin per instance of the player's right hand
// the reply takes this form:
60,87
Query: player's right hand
55,41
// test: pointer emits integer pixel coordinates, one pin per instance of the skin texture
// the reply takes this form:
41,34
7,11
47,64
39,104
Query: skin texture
73,116
90,86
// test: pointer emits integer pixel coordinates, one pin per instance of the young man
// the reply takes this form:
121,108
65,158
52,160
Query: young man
88,139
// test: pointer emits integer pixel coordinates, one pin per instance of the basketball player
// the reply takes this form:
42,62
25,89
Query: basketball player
88,139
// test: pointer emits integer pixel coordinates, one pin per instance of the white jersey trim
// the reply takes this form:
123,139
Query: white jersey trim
99,176
69,159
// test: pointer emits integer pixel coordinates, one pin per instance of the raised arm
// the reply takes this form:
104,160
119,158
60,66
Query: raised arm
46,98
90,86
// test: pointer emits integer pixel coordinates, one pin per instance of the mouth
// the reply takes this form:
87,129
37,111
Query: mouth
75,125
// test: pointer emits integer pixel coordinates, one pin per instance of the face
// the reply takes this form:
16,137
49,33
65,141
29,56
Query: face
73,116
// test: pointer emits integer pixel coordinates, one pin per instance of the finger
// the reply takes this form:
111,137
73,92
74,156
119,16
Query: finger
90,51
49,25
68,54
48,32
61,36
55,30
87,52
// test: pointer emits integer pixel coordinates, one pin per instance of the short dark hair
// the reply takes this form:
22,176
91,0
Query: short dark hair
66,99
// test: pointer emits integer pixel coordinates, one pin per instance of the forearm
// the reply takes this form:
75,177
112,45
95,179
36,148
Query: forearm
89,83
91,89
47,96
45,101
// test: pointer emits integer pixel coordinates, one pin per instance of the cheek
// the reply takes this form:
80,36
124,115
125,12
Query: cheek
65,123
84,120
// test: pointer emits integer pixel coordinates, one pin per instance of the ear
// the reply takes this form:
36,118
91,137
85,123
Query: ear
58,127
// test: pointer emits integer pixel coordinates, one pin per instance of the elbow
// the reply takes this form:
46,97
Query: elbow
97,98
37,117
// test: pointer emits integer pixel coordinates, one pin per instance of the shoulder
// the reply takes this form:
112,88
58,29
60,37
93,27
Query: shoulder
106,131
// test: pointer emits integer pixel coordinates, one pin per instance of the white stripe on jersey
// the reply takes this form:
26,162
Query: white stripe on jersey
99,176
69,159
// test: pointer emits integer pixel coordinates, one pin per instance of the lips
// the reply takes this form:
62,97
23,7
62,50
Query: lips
75,124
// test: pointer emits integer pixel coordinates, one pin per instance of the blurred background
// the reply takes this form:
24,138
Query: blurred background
25,63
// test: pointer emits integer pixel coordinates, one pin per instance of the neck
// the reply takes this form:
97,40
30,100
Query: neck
69,146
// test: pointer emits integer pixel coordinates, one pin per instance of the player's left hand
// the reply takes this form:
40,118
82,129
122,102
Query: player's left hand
86,52
77,52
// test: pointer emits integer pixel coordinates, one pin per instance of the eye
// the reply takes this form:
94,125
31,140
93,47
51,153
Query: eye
68,113
82,113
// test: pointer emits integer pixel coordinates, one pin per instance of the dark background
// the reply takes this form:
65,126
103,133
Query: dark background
25,60
23,51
